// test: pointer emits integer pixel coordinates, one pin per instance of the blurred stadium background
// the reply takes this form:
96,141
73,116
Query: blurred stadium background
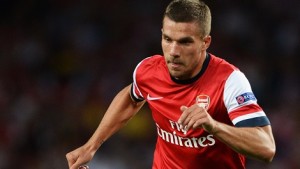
62,62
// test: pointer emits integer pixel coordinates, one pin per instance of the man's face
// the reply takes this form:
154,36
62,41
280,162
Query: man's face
184,50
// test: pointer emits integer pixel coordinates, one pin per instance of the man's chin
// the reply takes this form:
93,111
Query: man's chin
177,75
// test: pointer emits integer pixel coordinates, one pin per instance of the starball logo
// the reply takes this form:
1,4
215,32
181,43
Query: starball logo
174,138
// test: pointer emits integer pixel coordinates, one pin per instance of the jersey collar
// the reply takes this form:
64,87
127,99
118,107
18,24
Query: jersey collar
188,81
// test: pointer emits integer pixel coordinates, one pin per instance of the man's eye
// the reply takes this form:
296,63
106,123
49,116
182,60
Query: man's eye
167,39
185,42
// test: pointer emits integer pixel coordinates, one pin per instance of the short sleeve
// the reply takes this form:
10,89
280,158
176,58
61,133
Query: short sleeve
241,102
135,92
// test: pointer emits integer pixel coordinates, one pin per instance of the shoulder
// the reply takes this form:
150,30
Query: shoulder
149,67
219,63
151,63
147,73
220,69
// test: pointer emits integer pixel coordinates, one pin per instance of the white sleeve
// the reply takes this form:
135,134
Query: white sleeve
241,103
237,91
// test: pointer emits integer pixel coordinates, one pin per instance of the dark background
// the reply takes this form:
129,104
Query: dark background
62,61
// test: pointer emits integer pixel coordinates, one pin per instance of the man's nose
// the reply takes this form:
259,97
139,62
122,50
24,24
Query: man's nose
174,49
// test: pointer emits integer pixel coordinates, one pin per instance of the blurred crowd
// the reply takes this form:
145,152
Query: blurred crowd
62,62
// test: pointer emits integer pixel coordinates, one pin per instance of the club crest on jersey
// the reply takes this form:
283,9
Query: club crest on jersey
203,101
245,97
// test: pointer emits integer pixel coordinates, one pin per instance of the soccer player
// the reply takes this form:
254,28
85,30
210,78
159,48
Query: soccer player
204,109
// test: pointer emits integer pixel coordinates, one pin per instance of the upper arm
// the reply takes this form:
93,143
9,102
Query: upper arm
241,103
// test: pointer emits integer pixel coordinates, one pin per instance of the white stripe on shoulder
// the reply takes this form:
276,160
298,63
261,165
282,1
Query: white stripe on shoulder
135,85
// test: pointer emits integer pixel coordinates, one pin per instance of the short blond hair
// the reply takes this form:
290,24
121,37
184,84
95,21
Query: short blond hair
190,11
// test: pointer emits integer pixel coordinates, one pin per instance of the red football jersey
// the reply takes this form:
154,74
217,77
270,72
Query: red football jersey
220,87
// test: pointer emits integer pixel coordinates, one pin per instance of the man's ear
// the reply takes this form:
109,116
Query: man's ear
207,41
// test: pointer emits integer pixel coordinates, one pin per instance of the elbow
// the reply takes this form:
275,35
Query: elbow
269,154
265,154
269,147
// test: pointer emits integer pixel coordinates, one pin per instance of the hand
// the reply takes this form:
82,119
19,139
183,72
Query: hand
80,156
196,117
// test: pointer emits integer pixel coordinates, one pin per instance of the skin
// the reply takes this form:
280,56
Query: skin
184,50
120,111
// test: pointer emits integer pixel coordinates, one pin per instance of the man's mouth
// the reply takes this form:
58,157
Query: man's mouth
175,64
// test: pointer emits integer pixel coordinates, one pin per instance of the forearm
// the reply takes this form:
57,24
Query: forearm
257,142
120,111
